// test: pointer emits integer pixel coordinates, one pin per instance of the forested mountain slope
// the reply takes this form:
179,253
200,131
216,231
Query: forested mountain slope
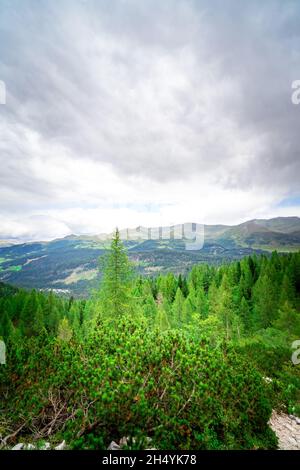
70,265
195,362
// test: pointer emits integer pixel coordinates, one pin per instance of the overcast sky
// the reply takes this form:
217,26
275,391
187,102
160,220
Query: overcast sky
145,112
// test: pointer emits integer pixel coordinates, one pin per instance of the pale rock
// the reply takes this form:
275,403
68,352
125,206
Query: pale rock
29,447
268,380
123,441
61,446
113,446
18,446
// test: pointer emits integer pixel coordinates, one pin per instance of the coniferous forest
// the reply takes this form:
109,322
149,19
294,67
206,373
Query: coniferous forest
171,362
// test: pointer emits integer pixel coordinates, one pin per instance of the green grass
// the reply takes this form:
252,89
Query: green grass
14,268
4,260
278,248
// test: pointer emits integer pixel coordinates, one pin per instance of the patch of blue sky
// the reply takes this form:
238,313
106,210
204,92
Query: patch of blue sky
291,201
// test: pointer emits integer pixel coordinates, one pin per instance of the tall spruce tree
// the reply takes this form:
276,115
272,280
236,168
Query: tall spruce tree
6,326
178,317
28,313
265,305
117,279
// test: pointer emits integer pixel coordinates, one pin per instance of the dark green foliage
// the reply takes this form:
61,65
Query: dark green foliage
48,265
178,359
182,284
136,382
116,282
5,326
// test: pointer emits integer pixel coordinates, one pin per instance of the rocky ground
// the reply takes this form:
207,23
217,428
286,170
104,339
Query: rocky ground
287,429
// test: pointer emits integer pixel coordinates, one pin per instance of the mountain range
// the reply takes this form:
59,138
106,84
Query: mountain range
70,265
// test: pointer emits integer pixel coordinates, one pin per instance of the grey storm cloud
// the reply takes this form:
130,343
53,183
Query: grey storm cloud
162,90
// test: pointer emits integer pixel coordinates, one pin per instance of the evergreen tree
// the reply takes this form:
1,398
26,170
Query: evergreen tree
53,318
64,331
38,321
168,287
154,287
265,305
225,305
213,299
182,284
6,326
162,320
244,313
74,318
288,320
246,280
150,308
117,280
201,302
178,317
287,291
28,313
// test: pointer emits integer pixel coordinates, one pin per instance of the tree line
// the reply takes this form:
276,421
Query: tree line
237,299
189,362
